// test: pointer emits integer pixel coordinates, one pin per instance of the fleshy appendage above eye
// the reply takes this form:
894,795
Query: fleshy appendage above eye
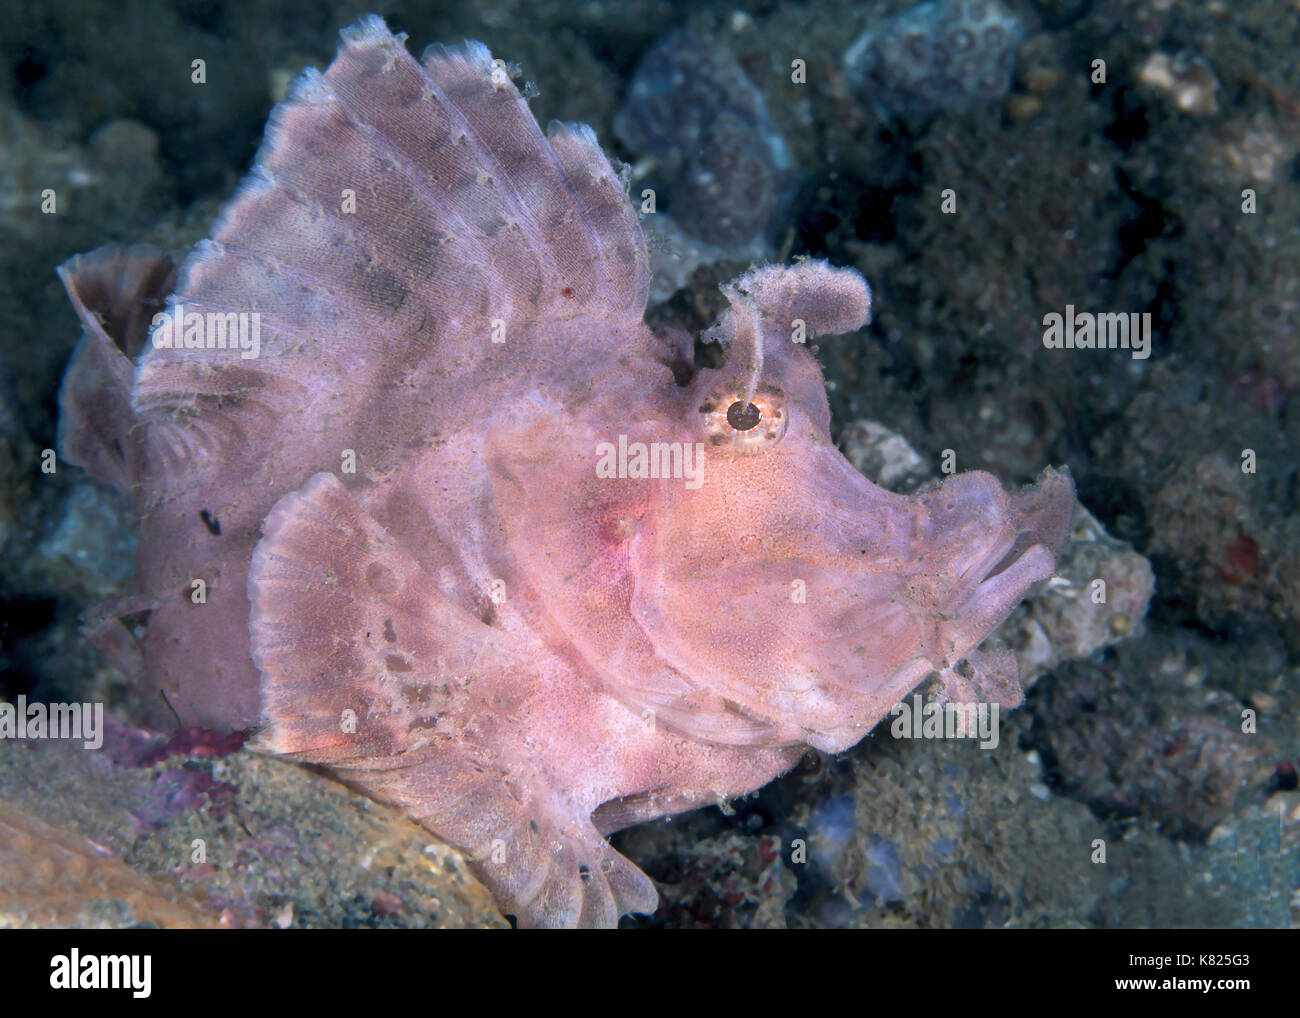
746,427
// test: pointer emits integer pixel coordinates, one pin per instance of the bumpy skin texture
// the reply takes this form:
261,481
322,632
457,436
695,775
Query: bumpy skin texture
474,624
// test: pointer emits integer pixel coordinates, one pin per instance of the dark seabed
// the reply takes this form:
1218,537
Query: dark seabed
985,166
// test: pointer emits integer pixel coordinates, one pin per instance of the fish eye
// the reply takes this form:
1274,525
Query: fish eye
743,416
746,426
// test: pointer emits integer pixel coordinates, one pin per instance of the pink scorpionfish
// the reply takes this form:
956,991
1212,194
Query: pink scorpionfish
426,502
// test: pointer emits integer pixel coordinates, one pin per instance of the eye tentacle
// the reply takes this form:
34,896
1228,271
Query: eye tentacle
740,329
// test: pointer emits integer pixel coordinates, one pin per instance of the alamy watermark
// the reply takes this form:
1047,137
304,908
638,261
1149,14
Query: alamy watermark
921,720
1111,330
23,720
652,460
179,329
77,971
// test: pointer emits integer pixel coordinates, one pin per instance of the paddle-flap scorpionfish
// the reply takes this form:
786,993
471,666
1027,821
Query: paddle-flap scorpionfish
472,535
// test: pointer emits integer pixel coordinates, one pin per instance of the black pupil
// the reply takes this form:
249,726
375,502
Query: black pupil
743,416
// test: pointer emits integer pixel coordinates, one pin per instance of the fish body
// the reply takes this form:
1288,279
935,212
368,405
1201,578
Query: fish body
469,533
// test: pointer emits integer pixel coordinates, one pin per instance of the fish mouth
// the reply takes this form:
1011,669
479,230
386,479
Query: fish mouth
1006,545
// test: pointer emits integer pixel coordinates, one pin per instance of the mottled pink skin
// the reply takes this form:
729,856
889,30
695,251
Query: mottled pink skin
474,624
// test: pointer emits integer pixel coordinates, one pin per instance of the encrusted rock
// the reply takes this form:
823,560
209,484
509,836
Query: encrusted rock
943,55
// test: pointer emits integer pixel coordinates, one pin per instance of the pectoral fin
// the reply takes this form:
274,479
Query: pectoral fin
369,668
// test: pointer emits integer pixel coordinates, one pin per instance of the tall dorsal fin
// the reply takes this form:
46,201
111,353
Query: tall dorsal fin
399,218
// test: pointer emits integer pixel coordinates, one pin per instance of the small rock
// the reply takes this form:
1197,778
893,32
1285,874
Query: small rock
1186,79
